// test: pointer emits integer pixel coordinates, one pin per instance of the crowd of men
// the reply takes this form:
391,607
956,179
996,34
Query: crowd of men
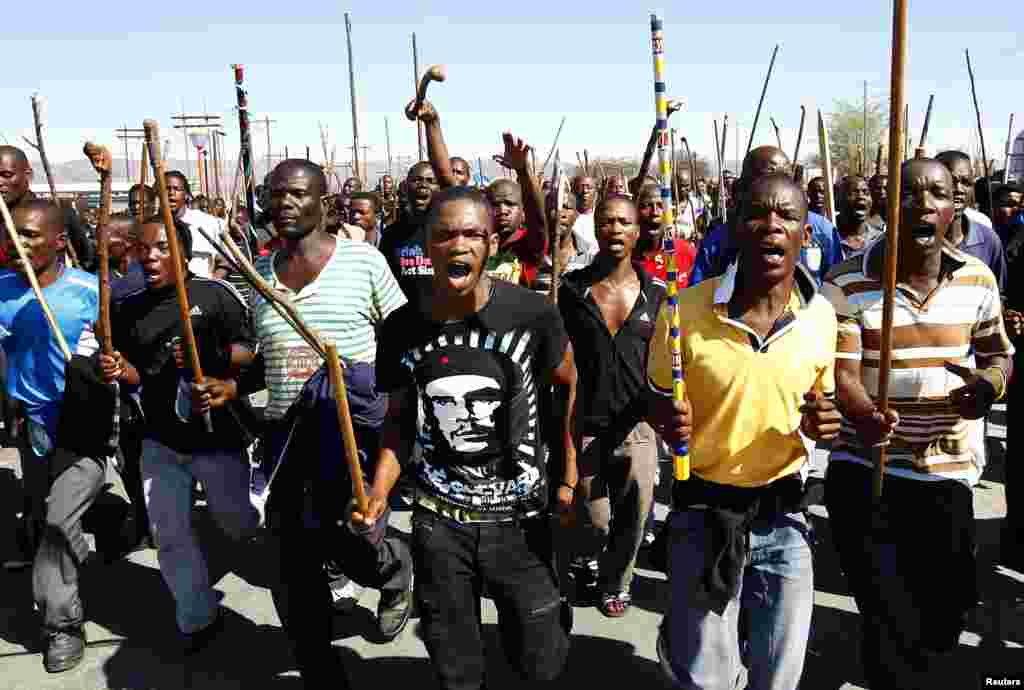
523,414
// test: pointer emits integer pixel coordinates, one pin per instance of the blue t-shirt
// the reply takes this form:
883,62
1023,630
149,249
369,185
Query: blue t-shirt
717,253
35,363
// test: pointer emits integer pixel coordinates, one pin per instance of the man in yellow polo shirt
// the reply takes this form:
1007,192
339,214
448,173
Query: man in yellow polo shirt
758,350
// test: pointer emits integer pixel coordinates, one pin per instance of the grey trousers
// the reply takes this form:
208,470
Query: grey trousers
56,516
612,507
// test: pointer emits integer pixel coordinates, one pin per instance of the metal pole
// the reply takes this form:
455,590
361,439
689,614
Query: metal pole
352,91
415,85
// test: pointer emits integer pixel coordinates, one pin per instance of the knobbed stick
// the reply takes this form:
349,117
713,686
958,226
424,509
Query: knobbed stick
348,435
681,454
100,158
30,274
434,73
896,143
778,135
40,146
152,130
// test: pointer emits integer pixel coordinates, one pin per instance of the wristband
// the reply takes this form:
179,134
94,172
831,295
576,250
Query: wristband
568,486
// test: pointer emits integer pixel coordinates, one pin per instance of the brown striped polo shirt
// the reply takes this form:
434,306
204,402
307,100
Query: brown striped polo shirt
961,317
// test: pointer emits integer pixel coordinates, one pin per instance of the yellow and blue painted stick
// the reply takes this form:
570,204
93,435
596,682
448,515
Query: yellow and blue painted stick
681,452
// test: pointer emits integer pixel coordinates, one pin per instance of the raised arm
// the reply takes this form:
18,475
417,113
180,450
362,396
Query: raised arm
517,157
437,150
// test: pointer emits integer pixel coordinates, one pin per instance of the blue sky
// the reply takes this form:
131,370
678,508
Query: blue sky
520,67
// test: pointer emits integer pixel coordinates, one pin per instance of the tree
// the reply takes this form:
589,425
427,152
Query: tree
846,134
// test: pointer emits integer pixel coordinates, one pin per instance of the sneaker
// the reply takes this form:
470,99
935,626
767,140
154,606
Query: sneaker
394,611
195,642
65,649
345,598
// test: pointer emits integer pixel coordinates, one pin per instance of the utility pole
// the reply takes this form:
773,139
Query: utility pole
267,122
387,139
415,87
126,135
352,91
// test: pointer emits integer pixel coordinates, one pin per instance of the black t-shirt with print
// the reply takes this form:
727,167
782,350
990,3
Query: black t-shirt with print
144,326
405,247
481,386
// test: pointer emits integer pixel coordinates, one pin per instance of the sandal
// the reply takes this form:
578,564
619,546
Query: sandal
615,605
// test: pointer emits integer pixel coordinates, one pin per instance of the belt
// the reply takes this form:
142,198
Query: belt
463,515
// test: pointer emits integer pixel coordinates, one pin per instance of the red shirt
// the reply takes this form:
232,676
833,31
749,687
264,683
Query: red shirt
656,263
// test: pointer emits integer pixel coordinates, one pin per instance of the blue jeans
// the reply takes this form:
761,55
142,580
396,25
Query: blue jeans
765,627
167,478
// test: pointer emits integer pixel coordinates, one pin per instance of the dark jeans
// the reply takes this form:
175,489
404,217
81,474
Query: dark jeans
131,433
56,516
910,565
305,515
453,562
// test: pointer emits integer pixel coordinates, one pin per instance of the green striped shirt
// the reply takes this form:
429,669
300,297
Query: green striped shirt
354,293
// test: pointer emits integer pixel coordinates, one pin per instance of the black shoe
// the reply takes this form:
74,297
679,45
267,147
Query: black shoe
195,642
64,649
393,611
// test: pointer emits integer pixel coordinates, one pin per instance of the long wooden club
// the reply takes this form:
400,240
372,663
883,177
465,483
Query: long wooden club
102,162
152,130
896,143
38,109
825,149
345,423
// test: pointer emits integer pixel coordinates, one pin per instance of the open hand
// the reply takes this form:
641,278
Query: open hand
517,153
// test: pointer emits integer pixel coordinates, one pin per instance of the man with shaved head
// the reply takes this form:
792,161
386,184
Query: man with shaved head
717,251
15,182
971,232
586,196
344,290
949,307
740,564
59,486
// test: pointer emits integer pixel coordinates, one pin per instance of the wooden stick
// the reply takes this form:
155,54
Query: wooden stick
825,149
799,138
355,470
693,174
878,159
102,163
558,181
675,167
896,143
290,313
152,130
981,133
725,129
40,146
586,162
778,136
924,130
764,90
721,179
30,274
554,145
1006,156
142,183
